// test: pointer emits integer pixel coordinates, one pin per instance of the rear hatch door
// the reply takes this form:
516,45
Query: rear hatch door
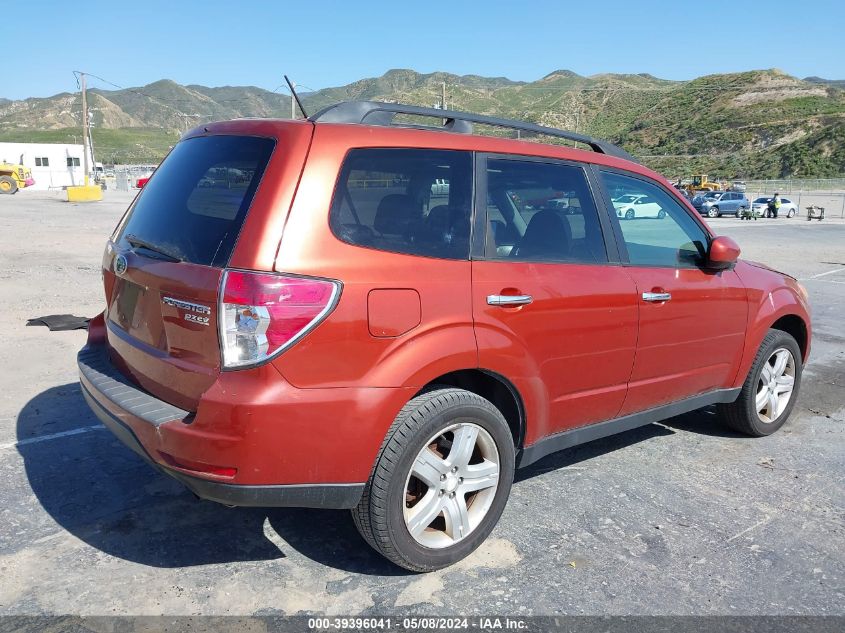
162,270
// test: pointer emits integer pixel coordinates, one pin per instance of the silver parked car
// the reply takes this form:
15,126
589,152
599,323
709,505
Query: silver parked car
787,208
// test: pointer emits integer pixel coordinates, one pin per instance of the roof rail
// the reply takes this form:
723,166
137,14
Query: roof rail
379,113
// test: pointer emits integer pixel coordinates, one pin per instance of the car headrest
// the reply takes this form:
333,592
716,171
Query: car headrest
395,214
548,236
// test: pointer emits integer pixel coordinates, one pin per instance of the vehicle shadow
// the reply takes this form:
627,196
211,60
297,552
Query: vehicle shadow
105,495
584,452
108,497
704,421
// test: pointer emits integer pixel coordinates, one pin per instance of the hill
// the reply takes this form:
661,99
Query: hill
758,124
836,83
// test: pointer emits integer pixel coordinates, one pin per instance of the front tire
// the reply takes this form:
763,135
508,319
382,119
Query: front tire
629,214
713,212
441,480
770,390
8,185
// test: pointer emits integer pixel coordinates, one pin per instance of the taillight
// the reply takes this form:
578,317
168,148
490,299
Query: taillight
262,314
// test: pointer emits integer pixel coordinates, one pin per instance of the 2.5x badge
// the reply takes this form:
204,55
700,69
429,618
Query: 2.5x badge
194,312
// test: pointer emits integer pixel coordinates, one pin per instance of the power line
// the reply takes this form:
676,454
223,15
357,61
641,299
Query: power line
164,101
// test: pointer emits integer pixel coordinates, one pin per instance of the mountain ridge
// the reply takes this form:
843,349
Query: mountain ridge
762,123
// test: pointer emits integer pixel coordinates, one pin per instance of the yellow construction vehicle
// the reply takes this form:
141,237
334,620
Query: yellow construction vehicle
701,183
14,177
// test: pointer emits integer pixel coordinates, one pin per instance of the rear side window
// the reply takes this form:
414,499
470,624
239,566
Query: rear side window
413,201
195,204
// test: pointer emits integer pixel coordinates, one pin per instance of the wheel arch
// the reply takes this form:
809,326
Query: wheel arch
787,320
492,386
795,326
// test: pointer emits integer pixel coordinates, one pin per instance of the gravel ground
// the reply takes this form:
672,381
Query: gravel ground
680,518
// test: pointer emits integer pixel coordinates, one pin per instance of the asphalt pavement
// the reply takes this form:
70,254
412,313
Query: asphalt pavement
681,517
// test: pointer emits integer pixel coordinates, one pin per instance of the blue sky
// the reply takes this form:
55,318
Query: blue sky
330,43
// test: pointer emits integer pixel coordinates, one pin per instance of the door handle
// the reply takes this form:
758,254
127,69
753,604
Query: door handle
509,300
657,296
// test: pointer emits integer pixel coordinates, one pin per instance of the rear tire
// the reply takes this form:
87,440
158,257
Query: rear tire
759,411
417,448
790,213
8,185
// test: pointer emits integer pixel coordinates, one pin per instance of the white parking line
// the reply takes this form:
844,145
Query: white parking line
829,272
54,436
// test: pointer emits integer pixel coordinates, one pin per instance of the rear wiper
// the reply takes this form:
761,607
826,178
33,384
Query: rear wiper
137,242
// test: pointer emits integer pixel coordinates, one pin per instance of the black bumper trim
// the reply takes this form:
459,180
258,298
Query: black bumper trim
330,496
95,366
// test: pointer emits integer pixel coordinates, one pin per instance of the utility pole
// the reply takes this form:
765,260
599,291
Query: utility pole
85,131
577,120
186,117
91,148
443,95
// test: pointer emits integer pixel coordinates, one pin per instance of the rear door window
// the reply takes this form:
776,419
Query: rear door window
196,202
541,212
413,201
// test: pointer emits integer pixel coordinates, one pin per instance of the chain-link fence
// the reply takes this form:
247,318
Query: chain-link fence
125,176
795,185
828,193
833,202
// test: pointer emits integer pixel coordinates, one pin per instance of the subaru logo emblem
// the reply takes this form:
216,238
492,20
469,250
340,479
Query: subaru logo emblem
120,264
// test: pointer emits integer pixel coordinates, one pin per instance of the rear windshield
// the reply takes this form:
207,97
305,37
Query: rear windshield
195,203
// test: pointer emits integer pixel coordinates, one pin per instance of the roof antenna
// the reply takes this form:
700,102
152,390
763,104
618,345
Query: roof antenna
296,96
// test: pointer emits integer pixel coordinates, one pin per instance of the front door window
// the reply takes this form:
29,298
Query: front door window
667,236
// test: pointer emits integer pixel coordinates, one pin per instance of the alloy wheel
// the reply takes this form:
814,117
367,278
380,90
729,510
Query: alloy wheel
451,485
775,385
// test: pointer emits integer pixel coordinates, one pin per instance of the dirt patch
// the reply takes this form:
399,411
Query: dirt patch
494,553
422,590
760,96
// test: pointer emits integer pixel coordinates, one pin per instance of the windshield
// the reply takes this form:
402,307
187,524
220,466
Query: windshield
627,198
195,204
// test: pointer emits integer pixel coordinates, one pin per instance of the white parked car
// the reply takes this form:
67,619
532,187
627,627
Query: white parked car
788,209
632,206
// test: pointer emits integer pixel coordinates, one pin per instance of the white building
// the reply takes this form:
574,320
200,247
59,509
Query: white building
53,165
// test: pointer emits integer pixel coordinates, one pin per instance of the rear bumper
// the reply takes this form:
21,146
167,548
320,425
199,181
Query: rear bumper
149,427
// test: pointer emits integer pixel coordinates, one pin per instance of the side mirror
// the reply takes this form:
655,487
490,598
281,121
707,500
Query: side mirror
723,253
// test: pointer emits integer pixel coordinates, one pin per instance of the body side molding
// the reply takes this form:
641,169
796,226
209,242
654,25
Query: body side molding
599,430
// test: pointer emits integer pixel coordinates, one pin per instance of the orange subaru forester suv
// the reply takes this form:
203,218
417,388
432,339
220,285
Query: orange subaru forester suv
352,312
